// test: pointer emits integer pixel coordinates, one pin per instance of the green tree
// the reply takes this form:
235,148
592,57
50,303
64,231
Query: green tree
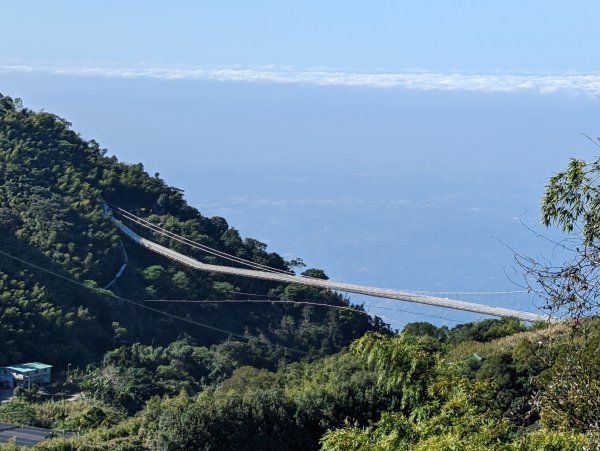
402,363
424,329
572,202
569,393
315,273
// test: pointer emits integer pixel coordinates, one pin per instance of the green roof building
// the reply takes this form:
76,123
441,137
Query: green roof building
29,373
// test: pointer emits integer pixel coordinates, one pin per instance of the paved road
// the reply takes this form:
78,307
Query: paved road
24,436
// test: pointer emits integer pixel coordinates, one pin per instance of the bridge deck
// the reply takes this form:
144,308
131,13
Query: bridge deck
344,287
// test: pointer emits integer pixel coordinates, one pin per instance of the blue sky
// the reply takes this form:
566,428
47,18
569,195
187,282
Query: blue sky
461,35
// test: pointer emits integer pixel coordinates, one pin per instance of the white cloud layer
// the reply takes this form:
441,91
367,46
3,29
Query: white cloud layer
424,81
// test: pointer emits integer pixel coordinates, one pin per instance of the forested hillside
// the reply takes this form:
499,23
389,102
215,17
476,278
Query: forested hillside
52,188
490,385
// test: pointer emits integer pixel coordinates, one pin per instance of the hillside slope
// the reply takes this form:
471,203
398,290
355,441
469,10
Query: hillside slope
52,187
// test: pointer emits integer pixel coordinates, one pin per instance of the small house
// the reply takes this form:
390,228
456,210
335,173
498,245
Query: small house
27,374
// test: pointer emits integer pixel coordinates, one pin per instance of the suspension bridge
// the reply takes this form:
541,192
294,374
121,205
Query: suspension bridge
263,272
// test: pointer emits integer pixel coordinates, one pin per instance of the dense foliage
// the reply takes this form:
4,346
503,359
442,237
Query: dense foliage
402,391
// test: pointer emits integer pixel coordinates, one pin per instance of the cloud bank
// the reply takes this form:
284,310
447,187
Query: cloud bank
422,81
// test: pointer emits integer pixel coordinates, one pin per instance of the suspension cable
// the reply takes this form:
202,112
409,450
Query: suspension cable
157,229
